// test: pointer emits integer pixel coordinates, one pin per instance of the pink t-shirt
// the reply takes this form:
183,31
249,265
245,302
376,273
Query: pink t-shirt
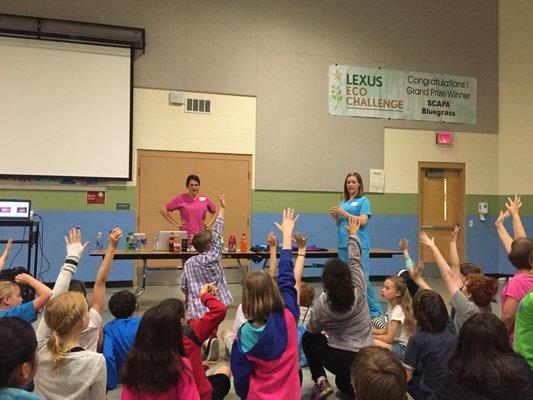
192,210
517,288
184,390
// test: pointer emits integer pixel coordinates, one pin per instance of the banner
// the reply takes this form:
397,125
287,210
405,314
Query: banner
387,93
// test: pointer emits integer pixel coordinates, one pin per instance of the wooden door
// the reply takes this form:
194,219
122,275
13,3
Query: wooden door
441,204
162,174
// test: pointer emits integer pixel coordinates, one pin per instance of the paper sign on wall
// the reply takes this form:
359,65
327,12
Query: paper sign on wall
95,197
377,181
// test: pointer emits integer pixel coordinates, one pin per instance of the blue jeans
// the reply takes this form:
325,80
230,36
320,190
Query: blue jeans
373,304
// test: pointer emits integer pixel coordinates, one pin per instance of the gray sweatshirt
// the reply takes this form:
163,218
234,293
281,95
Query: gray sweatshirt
350,330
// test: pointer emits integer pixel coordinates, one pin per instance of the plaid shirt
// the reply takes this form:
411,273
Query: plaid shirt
202,269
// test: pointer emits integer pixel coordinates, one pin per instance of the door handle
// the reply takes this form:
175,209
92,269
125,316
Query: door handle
436,226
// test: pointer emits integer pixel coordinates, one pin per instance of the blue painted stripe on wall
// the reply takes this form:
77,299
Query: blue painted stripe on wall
482,243
57,224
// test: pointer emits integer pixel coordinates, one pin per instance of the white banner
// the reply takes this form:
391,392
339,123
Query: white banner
386,93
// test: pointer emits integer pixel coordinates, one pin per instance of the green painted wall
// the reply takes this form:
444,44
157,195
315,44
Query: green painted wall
73,200
262,201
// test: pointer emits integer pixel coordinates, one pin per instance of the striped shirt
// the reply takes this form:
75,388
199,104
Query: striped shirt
202,269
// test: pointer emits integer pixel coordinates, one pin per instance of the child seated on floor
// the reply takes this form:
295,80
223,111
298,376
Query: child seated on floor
205,268
401,322
11,301
429,349
18,358
119,334
215,386
378,375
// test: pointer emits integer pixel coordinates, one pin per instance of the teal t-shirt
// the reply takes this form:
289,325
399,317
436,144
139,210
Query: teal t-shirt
356,206
523,329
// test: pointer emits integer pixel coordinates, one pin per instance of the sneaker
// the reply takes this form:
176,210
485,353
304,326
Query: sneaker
321,390
211,349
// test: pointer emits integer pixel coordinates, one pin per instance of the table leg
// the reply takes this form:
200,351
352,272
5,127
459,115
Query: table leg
140,289
241,267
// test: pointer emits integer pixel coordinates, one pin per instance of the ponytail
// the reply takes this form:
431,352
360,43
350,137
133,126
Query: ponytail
62,314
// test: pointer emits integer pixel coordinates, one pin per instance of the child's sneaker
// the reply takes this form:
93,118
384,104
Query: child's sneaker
211,349
321,390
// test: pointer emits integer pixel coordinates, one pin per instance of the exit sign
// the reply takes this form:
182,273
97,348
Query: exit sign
444,138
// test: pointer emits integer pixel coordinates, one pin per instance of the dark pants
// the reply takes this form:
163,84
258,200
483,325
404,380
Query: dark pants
338,362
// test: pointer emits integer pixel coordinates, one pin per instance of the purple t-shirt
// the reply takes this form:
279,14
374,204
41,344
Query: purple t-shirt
192,210
517,288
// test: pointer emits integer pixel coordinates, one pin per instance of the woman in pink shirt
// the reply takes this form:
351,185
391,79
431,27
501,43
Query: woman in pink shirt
155,367
192,206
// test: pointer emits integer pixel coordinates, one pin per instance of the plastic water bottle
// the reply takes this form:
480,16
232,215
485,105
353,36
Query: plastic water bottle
99,241
142,242
155,243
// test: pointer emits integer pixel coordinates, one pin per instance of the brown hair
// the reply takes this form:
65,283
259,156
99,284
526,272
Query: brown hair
378,375
482,288
405,302
520,251
202,240
260,296
430,311
307,294
6,289
469,269
361,190
62,314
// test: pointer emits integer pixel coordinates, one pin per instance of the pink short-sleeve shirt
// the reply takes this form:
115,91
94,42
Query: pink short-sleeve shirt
192,210
517,288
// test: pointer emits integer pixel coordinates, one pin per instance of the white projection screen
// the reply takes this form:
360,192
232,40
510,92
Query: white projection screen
65,110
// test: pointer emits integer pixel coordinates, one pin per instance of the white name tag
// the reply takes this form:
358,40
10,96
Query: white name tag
202,199
355,203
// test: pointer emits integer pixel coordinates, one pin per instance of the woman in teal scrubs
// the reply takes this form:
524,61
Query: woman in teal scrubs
357,205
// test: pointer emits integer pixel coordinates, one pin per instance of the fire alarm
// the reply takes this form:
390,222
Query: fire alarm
444,138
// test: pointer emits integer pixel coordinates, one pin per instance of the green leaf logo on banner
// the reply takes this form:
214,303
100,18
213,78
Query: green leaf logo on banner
336,95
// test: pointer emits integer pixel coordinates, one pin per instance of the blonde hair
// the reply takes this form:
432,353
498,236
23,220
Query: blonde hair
6,289
260,296
62,314
405,302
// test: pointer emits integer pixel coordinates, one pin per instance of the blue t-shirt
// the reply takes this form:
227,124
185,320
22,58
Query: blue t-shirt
25,311
17,394
431,351
356,206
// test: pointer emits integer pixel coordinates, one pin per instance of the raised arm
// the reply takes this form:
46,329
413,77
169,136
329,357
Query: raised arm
5,254
404,247
513,206
452,283
417,277
214,254
44,293
454,255
213,317
273,254
504,236
103,271
301,242
74,252
354,256
286,279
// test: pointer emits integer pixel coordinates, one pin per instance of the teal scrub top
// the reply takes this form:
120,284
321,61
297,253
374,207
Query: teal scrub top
357,207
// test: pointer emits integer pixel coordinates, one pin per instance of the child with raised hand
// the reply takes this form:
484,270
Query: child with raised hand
90,337
119,334
401,321
471,298
156,366
5,254
67,370
429,349
205,268
11,301
409,266
518,253
18,359
341,311
264,356
215,386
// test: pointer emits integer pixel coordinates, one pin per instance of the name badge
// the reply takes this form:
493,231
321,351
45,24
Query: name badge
202,199
355,204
